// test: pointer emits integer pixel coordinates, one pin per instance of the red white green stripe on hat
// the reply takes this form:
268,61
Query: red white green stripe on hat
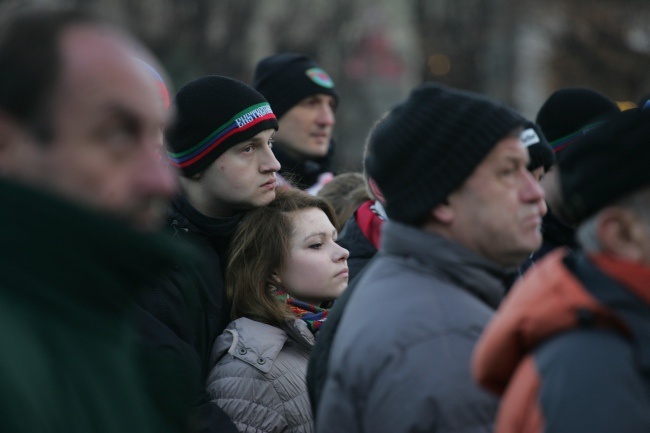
239,123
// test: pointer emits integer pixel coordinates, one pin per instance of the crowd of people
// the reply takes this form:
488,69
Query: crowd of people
197,266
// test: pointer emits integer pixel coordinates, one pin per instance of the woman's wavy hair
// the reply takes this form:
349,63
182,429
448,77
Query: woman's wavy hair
261,246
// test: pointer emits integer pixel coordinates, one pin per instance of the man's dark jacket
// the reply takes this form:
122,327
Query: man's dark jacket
187,309
70,359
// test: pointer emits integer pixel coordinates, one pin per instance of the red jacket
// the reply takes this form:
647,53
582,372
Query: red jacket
511,360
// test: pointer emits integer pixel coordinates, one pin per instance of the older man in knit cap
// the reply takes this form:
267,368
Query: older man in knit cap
221,143
304,99
569,350
361,236
463,210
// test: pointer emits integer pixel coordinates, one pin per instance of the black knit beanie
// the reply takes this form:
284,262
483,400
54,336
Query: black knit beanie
540,152
610,162
570,112
214,113
427,146
288,78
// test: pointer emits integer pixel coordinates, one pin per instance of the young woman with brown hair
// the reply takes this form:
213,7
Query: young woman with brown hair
284,266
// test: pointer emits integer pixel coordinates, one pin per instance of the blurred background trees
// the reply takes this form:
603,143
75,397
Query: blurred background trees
518,51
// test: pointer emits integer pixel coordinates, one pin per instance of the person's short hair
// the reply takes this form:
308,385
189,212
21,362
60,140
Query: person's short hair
637,202
428,145
260,246
31,63
346,191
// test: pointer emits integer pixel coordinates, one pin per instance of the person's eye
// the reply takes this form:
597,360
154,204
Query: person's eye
248,149
316,246
508,171
119,138
116,129
271,141
310,102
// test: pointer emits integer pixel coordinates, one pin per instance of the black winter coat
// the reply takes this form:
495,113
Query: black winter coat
192,304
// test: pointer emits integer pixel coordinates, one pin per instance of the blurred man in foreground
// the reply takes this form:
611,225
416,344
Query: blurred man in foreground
83,190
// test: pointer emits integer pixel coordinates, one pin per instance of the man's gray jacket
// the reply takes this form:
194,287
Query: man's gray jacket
401,357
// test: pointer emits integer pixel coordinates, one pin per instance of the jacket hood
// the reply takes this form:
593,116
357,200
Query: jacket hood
258,344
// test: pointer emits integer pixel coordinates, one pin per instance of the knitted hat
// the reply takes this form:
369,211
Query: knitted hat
607,164
214,113
540,152
288,78
427,146
569,113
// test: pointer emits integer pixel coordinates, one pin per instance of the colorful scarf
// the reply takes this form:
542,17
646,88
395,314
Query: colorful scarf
312,315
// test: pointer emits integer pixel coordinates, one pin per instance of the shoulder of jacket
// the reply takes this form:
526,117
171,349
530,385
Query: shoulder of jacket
254,343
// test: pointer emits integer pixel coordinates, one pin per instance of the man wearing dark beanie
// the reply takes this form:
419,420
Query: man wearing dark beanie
540,151
573,336
463,212
564,118
304,99
221,143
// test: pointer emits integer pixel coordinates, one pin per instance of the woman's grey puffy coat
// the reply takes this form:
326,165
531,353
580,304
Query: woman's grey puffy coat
258,376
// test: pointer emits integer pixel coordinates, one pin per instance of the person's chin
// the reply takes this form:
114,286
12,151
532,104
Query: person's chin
319,149
266,197
533,242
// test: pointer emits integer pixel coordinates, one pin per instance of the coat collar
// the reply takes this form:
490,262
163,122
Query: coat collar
258,344
448,260
63,255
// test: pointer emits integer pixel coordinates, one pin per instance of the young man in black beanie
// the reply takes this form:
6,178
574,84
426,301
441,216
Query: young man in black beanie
221,142
463,212
569,349
304,99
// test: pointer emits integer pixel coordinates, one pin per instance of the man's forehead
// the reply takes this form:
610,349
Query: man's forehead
511,144
85,44
510,147
321,96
